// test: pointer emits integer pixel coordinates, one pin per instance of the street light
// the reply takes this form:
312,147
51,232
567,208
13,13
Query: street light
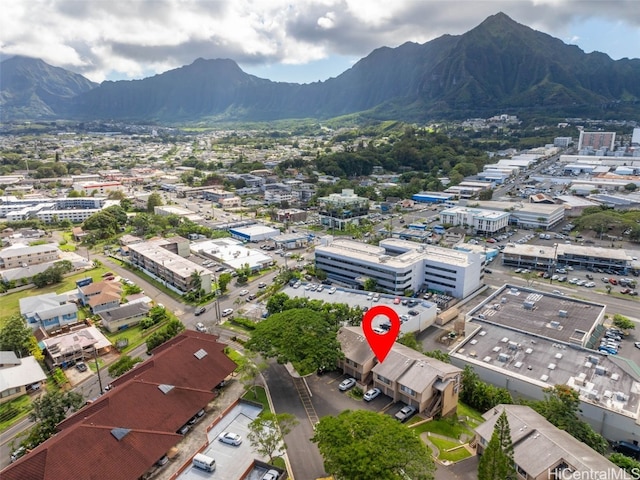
95,357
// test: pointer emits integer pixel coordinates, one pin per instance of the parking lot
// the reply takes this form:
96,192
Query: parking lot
415,314
231,461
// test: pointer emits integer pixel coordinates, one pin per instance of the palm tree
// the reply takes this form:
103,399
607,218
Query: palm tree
196,282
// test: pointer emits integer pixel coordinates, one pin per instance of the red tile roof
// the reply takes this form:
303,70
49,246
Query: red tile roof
86,447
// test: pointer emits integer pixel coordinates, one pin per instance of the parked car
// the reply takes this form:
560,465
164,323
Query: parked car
243,292
636,344
332,290
347,384
200,327
262,285
227,311
251,297
371,394
271,475
200,310
608,350
81,367
406,413
230,438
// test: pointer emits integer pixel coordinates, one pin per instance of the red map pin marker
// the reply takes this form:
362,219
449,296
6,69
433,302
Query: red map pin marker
381,343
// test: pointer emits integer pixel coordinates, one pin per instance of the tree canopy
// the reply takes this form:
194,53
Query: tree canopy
301,336
267,432
49,410
497,459
367,445
15,336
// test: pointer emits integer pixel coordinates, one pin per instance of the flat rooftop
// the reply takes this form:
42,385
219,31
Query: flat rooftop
547,363
411,252
543,315
547,251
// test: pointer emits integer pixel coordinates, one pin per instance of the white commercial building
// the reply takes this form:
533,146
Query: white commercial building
485,222
527,215
399,265
527,340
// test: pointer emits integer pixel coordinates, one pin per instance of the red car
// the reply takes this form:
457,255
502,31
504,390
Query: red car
396,301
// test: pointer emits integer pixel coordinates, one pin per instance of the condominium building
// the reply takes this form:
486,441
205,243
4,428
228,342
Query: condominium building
24,256
482,222
339,209
166,259
399,265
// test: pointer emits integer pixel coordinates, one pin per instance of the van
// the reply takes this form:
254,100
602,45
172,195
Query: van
627,448
203,462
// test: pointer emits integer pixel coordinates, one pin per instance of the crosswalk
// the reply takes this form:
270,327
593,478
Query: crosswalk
305,398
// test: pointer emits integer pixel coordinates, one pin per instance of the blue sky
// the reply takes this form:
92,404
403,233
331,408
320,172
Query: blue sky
302,41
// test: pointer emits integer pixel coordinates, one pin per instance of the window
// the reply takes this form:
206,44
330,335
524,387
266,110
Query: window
407,390
384,380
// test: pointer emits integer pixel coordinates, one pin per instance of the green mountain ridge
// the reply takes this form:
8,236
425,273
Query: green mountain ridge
500,65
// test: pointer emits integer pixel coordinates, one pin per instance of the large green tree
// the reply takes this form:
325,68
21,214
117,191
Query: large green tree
301,336
49,410
371,446
497,460
15,336
154,200
267,432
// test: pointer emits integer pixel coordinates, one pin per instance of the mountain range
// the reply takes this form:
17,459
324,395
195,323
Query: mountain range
498,66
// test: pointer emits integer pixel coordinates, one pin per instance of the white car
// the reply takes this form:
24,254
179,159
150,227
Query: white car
227,311
230,438
371,394
243,293
332,290
347,384
200,327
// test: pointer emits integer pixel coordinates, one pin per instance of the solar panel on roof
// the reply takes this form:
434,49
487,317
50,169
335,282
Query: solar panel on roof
200,354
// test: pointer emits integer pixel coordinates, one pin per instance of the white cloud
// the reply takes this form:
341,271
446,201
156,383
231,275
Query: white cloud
130,38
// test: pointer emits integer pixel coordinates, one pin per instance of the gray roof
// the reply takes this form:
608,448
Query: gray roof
25,250
8,358
36,303
538,445
28,371
128,310
354,345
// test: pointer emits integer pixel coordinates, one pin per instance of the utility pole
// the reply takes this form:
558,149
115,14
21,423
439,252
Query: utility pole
95,356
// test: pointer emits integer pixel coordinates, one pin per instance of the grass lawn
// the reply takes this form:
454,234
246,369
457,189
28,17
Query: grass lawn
453,456
9,305
234,355
445,426
135,335
14,410
261,398
470,415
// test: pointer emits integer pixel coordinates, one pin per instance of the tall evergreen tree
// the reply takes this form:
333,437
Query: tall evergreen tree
497,460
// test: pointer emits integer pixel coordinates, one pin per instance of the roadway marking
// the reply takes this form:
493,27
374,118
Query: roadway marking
305,398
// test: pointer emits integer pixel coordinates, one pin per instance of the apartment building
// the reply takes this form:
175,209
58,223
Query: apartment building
17,256
405,375
399,265
166,259
542,451
339,209
482,222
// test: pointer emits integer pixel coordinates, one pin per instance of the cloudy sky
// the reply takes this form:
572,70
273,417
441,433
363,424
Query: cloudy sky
282,40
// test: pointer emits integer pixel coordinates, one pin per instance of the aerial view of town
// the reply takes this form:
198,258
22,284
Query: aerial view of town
425,267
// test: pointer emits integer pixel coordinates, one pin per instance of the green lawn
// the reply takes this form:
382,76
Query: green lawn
234,355
469,415
9,305
14,410
452,456
445,426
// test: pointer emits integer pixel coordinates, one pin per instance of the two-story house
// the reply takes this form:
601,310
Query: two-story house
49,311
408,376
101,296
